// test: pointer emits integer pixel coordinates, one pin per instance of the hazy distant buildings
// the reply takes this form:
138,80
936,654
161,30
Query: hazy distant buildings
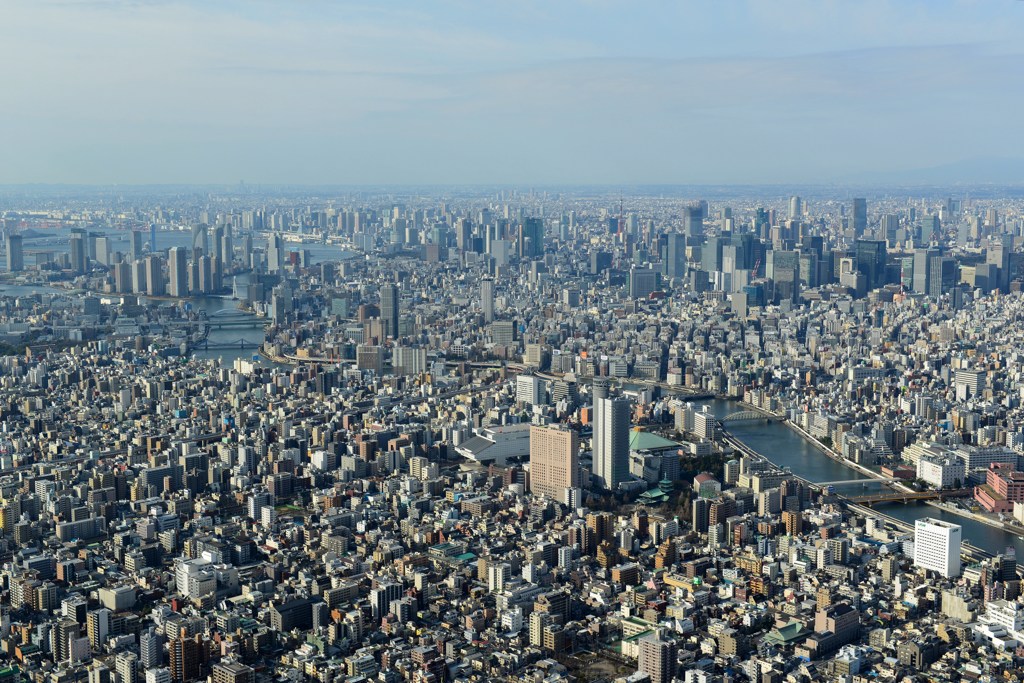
859,216
693,224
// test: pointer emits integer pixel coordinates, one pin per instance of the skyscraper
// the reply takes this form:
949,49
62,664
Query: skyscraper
79,259
177,268
135,245
531,238
611,441
390,303
15,254
796,207
658,657
275,253
675,255
871,262
937,546
859,216
200,240
693,224
554,462
487,299
155,276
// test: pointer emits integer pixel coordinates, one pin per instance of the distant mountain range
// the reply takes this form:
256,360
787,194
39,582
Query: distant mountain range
978,171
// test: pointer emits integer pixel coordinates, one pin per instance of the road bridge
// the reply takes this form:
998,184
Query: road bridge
907,496
748,416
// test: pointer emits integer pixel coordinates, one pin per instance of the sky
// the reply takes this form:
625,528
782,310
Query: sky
546,92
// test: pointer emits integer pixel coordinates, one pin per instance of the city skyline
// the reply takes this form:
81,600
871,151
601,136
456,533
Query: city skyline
581,93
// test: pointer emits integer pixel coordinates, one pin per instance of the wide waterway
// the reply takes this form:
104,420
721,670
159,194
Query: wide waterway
786,448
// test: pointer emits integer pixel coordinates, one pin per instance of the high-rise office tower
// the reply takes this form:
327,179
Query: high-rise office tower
922,269
859,216
79,258
796,207
554,462
675,255
15,254
390,304
531,238
871,262
937,546
487,299
658,657
693,224
177,268
642,282
152,238
611,441
997,253
890,224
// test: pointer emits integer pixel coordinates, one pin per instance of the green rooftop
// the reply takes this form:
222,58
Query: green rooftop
646,441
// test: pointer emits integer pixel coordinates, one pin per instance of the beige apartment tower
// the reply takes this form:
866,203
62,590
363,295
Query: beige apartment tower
554,461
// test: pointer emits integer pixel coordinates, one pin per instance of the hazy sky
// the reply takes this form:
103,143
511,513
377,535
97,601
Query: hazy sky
552,91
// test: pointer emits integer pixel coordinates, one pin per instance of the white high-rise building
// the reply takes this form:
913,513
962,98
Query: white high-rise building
487,299
611,441
937,546
530,389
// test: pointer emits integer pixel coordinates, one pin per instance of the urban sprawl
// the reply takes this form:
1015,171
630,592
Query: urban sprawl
478,436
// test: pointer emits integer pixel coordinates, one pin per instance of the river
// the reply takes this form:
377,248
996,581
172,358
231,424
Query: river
786,448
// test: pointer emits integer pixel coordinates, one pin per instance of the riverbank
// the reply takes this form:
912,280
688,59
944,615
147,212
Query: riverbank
950,508
969,550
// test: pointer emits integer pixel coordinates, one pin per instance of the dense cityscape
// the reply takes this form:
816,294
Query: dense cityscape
706,435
